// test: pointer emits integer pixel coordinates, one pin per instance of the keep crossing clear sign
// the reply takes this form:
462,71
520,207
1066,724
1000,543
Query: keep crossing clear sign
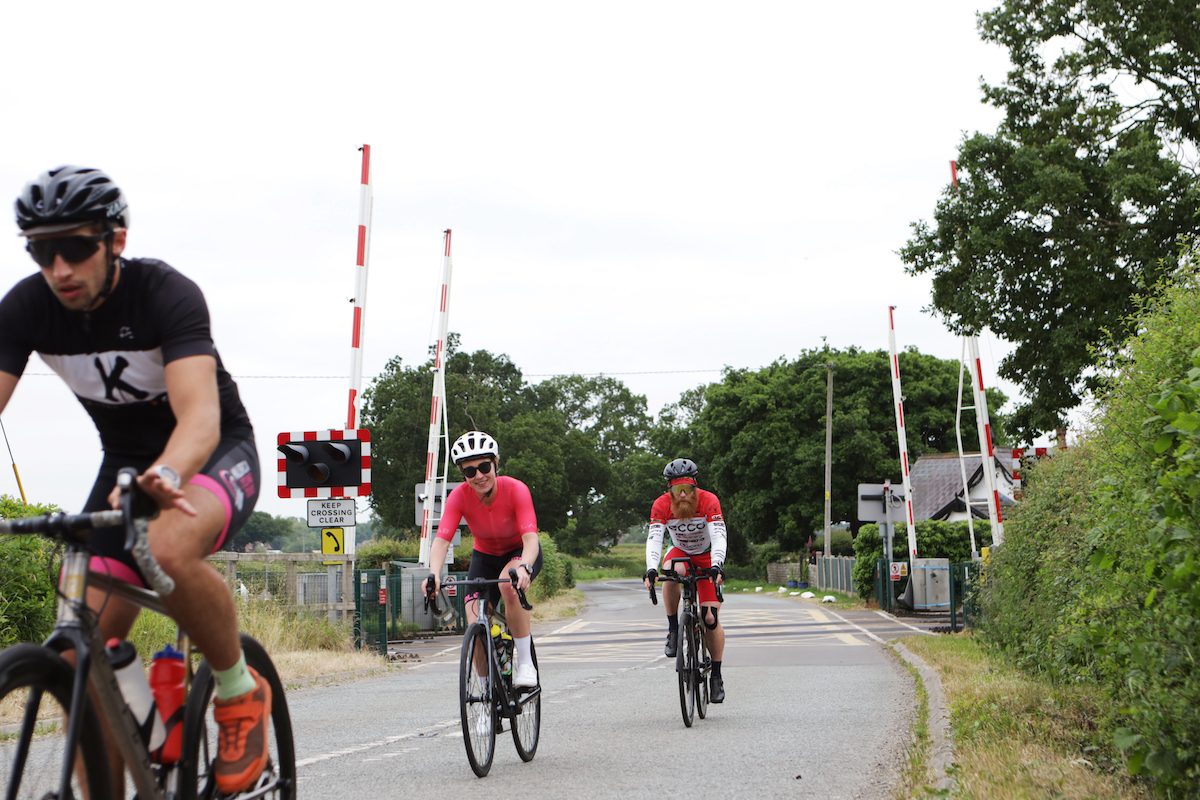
331,512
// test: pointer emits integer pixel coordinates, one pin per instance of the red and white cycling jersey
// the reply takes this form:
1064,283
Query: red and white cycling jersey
701,533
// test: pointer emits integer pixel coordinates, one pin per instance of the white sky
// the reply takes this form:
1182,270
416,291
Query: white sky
633,187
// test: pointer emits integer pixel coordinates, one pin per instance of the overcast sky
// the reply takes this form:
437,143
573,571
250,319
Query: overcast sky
650,190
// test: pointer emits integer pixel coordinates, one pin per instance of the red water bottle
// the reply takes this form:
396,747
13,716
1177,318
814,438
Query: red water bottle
166,681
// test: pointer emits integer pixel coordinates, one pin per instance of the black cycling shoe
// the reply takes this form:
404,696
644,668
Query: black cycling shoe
716,689
672,647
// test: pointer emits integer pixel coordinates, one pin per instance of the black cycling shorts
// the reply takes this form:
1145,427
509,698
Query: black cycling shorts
488,567
231,474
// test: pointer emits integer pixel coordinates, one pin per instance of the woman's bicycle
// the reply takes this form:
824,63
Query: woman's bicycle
46,756
692,662
486,694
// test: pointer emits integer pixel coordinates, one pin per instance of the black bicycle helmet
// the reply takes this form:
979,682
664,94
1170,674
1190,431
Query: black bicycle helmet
68,197
681,468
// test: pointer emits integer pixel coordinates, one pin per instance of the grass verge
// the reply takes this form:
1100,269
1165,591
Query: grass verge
1021,736
914,777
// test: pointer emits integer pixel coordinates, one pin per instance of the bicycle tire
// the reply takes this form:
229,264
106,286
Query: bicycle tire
278,780
26,669
701,674
685,663
476,704
527,724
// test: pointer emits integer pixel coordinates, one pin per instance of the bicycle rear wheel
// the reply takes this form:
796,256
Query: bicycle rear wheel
685,667
526,725
703,665
475,700
35,686
278,780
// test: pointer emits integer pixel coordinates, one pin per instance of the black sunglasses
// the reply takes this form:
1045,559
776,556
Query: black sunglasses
73,249
469,472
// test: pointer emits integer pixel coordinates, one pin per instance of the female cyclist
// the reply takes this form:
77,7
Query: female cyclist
499,512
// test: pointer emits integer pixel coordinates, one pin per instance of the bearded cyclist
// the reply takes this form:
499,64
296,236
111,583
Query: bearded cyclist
691,518
131,339
499,512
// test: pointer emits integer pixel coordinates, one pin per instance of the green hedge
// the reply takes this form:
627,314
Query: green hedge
1099,576
29,568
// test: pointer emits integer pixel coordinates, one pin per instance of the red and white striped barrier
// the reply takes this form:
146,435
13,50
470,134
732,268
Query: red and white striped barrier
360,287
898,397
437,410
986,448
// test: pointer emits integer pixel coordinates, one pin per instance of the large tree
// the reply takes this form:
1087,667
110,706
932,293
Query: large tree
563,437
1073,208
761,435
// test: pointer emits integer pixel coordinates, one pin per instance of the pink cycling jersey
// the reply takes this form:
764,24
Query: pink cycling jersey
497,528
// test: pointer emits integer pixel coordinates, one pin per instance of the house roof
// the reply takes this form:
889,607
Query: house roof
937,484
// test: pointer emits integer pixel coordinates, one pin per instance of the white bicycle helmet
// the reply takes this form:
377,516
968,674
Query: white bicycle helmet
474,444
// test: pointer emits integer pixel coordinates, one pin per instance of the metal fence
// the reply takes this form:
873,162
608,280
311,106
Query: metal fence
965,584
832,572
400,606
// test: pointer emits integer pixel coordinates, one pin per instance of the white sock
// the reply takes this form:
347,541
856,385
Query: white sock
523,654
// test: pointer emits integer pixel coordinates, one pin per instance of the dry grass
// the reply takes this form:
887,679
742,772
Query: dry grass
560,606
1018,736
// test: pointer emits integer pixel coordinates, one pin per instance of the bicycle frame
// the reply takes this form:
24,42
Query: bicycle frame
508,700
77,628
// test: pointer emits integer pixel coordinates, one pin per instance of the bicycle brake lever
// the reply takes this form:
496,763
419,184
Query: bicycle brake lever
512,574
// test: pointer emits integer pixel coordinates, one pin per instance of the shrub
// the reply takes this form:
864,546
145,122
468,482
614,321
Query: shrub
556,575
1099,575
377,552
28,579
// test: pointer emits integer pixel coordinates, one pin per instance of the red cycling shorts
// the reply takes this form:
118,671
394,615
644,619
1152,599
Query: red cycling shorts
706,592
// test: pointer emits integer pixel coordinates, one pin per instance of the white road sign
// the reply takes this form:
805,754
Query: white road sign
331,512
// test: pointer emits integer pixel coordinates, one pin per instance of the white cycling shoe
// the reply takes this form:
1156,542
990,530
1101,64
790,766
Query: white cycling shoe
526,676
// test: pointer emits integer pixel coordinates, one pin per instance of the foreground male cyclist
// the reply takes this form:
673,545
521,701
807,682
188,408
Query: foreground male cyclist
131,339
499,513
691,517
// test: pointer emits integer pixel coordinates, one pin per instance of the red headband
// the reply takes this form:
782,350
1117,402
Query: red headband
679,481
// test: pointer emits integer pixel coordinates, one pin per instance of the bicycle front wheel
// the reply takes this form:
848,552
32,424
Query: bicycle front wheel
685,667
526,725
703,666
475,700
278,780
35,693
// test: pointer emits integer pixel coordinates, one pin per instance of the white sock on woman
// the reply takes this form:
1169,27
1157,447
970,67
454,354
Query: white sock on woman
523,654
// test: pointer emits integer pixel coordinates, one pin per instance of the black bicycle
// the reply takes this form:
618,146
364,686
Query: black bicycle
692,662
44,756
486,694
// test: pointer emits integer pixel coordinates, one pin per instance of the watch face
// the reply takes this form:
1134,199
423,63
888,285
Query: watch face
168,475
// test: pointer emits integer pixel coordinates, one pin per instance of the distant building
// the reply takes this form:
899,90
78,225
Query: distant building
937,486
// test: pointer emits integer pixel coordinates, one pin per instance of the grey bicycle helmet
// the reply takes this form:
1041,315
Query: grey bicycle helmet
67,197
681,468
474,444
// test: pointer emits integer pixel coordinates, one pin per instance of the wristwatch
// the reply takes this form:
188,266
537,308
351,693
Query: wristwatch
169,476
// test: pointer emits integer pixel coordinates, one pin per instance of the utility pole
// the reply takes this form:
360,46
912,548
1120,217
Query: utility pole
828,453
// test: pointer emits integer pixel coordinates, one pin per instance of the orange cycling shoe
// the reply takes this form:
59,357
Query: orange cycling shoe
242,737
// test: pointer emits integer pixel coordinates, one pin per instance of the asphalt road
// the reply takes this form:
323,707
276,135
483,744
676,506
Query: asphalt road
814,708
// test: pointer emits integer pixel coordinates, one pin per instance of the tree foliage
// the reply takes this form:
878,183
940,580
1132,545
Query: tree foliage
761,435
1072,208
565,438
